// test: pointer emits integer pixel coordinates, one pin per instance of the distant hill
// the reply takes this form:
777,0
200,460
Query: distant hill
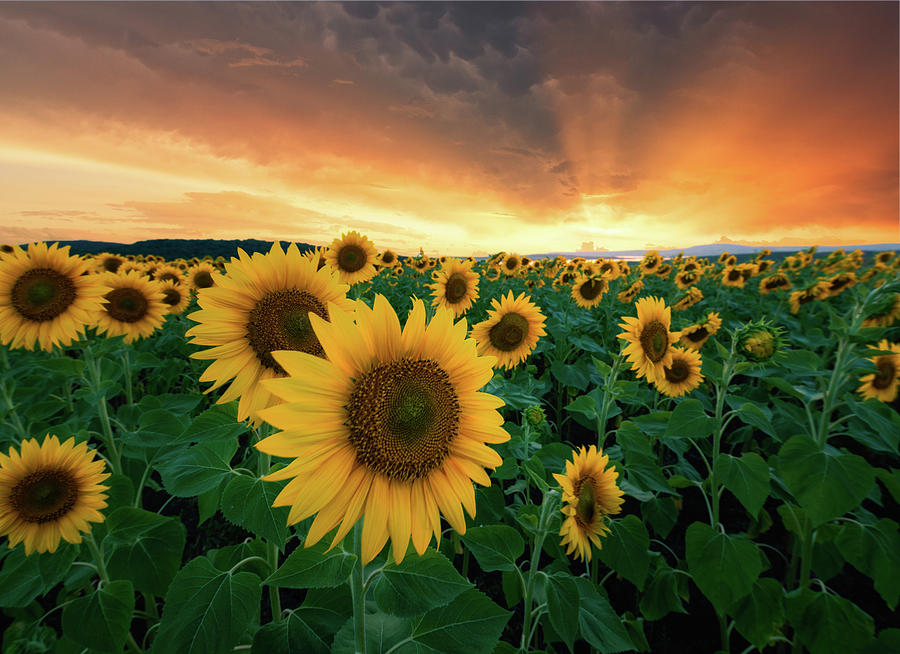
715,249
175,248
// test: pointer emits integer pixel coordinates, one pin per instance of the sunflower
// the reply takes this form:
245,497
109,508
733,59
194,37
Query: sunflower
686,278
883,384
353,256
664,271
683,375
627,296
723,257
388,259
649,339
106,262
48,492
175,296
764,265
391,426
776,282
588,290
589,495
608,268
730,261
882,259
840,282
455,287
732,276
421,264
815,292
650,262
203,275
169,273
511,264
133,305
511,330
6,249
46,297
886,314
696,335
691,297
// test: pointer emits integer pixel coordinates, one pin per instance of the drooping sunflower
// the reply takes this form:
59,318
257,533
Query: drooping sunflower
886,314
732,276
649,348
723,257
840,282
683,375
816,291
261,304
511,264
696,335
664,271
511,330
608,268
391,426
882,259
353,256
455,286
175,296
589,495
686,278
883,384
627,296
50,492
650,262
688,299
45,297
203,275
776,282
133,305
587,291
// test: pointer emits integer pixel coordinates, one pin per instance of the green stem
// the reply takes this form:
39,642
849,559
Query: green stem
723,631
274,596
126,365
357,592
11,409
721,391
608,399
139,492
830,391
92,366
98,557
547,504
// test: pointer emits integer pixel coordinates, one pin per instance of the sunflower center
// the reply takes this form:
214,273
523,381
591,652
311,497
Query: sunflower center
509,333
125,304
351,258
403,416
112,264
697,335
586,509
678,372
655,340
456,288
280,321
171,297
590,289
886,373
387,257
203,279
44,496
512,263
42,294
734,275
169,276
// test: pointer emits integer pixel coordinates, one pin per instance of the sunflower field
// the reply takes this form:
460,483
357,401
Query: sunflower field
345,450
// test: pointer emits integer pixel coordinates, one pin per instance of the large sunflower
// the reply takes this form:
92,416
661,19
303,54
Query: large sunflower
683,375
589,495
203,275
649,339
48,492
391,426
587,291
511,264
175,296
353,256
133,305
511,330
650,262
883,384
259,305
45,297
455,286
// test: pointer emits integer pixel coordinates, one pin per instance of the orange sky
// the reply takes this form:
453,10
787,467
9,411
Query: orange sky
463,128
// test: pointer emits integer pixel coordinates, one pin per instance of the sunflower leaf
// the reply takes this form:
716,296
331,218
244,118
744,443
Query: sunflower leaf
747,477
100,620
600,625
197,469
470,624
626,549
418,584
293,634
689,420
313,567
761,613
874,550
826,623
247,502
562,605
146,548
495,547
23,578
218,423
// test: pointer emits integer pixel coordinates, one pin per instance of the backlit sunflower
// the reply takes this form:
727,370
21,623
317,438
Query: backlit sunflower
353,256
688,299
455,286
886,314
391,426
818,291
588,291
696,335
589,495
203,275
511,330
687,278
388,259
649,340
650,262
50,492
776,282
510,265
683,375
732,276
261,304
133,305
840,282
627,296
883,384
45,297
175,296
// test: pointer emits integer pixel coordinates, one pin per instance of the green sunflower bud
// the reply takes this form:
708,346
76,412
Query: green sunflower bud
534,415
760,341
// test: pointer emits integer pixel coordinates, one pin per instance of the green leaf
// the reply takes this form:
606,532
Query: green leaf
146,548
562,605
206,610
178,403
25,577
661,513
313,567
874,550
215,424
383,633
101,620
724,567
626,549
197,469
661,596
576,374
881,425
418,584
747,477
247,502
157,427
288,636
828,624
826,484
755,416
326,609
600,625
760,614
586,405
470,624
690,420
891,479
496,547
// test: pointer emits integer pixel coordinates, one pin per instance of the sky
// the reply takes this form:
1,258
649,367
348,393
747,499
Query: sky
461,128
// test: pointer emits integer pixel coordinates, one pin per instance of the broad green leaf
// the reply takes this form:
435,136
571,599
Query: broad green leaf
626,549
101,620
760,614
23,578
661,513
197,469
747,477
828,624
177,403
247,502
754,415
874,550
495,547
642,468
326,609
600,625
888,640
661,596
146,548
470,624
563,605
215,424
418,584
724,567
881,425
384,632
313,567
891,479
206,610
289,636
586,405
576,374
825,483
157,427
690,420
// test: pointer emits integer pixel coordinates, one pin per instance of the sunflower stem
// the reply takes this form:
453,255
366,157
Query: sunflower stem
358,591
92,365
98,557
11,409
126,365
721,391
608,399
263,465
550,497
